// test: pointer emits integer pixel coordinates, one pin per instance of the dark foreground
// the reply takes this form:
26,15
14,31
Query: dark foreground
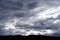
34,37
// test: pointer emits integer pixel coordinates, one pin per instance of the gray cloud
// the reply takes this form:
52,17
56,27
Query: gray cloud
27,17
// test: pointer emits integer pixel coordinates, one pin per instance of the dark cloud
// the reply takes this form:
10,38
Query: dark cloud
27,17
9,4
32,5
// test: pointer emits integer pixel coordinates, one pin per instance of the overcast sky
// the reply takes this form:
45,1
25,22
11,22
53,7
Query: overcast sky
27,17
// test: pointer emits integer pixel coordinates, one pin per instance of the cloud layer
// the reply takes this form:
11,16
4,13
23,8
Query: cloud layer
30,17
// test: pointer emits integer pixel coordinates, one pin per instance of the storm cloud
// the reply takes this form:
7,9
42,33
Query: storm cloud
30,17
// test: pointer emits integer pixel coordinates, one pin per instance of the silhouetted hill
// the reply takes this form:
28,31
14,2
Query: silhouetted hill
40,37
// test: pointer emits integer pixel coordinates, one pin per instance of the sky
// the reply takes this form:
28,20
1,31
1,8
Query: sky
30,17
